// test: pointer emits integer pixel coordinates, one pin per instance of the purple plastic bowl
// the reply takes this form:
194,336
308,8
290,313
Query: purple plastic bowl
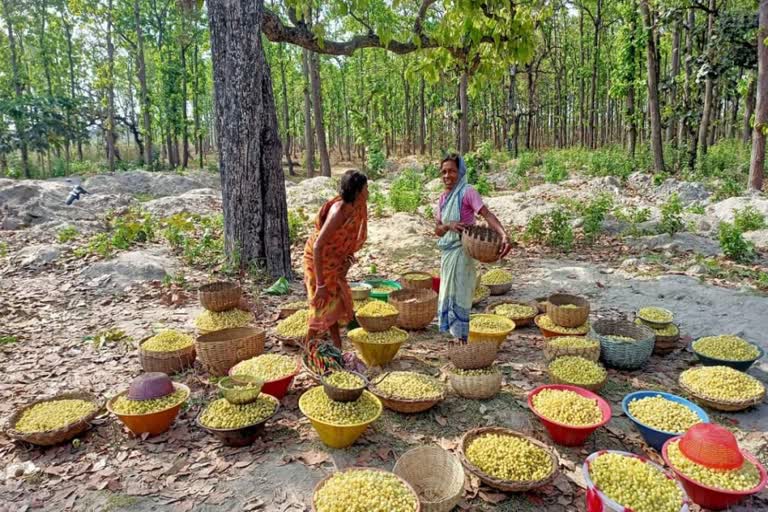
148,386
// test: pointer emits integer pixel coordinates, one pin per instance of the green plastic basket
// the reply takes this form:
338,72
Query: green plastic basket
385,282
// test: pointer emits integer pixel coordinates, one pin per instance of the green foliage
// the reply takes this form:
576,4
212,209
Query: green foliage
8,340
696,209
610,161
377,199
727,187
376,161
478,165
298,222
111,335
733,244
554,170
126,229
748,219
553,229
672,215
527,161
405,192
3,249
594,215
199,239
727,158
67,234
431,171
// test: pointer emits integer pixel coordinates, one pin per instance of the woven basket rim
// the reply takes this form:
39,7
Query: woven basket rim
568,298
455,463
559,334
218,336
218,287
367,422
163,354
322,482
10,428
294,374
497,333
615,325
507,484
745,403
211,429
353,341
380,317
176,387
637,315
396,399
590,387
326,374
428,295
499,302
760,353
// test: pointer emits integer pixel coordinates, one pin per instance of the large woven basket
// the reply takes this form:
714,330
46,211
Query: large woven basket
435,474
722,405
403,405
597,386
377,323
219,296
471,356
417,307
477,387
623,355
567,317
221,350
482,243
519,322
506,485
60,435
551,352
322,482
166,362
415,280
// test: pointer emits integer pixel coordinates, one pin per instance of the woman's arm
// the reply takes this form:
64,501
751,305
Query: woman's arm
494,223
332,223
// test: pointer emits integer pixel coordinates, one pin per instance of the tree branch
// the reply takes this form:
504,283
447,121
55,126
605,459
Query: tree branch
425,4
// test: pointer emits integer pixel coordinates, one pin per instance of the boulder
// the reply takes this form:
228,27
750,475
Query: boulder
201,201
311,193
129,268
688,191
724,210
759,238
155,184
35,256
640,181
681,242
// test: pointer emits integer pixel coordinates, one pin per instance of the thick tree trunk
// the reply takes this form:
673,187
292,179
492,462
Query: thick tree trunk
464,119
141,71
309,137
595,63
749,109
709,84
582,127
347,127
673,78
653,90
286,119
317,105
690,128
19,120
196,104
110,128
184,128
757,163
253,185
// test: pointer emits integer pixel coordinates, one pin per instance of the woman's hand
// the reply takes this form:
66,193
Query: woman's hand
321,297
506,246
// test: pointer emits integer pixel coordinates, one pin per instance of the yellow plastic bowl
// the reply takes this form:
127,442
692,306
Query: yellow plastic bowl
499,337
340,436
378,354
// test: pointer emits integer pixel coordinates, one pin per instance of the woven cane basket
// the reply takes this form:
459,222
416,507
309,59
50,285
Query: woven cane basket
506,485
221,350
623,355
219,296
322,482
552,352
166,362
377,323
722,405
400,404
416,280
435,474
567,317
417,307
59,435
519,321
477,387
471,356
482,243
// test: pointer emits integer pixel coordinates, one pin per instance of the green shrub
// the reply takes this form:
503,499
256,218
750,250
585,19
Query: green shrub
199,239
126,229
733,244
482,186
297,224
375,158
610,161
405,193
594,215
526,162
67,234
748,219
554,170
553,229
672,215
728,187
729,157
431,171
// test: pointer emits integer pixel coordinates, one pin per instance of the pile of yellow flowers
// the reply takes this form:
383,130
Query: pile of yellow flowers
365,490
295,326
410,386
726,348
209,321
496,276
168,341
722,383
546,323
267,367
53,415
662,414
377,308
509,458
391,335
567,407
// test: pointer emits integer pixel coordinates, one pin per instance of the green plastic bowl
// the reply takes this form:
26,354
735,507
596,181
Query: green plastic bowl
384,282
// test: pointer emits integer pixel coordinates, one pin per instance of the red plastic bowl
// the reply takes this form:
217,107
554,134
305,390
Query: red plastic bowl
436,284
711,497
279,387
568,435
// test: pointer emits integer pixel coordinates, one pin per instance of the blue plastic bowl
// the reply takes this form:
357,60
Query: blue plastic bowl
742,366
653,437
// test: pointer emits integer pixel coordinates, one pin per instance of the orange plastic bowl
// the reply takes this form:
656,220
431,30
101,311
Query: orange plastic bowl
153,423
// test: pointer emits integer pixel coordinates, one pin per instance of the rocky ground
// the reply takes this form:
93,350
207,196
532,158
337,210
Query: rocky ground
54,302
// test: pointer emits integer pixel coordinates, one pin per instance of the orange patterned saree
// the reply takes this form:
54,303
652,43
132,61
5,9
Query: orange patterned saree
345,242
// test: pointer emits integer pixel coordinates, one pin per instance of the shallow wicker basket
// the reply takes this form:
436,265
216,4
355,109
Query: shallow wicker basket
219,296
482,243
657,325
221,350
567,317
506,485
519,322
551,352
403,405
417,307
435,474
377,323
166,362
627,355
59,435
477,387
424,282
597,386
338,394
322,482
722,405
472,356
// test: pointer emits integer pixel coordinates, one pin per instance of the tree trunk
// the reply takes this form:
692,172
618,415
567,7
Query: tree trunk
709,84
689,80
347,127
582,127
253,185
757,162
184,127
110,132
464,107
196,103
317,104
673,85
595,63
309,137
749,109
141,71
422,119
286,119
18,120
653,90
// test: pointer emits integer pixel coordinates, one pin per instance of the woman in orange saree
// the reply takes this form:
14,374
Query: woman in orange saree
341,228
